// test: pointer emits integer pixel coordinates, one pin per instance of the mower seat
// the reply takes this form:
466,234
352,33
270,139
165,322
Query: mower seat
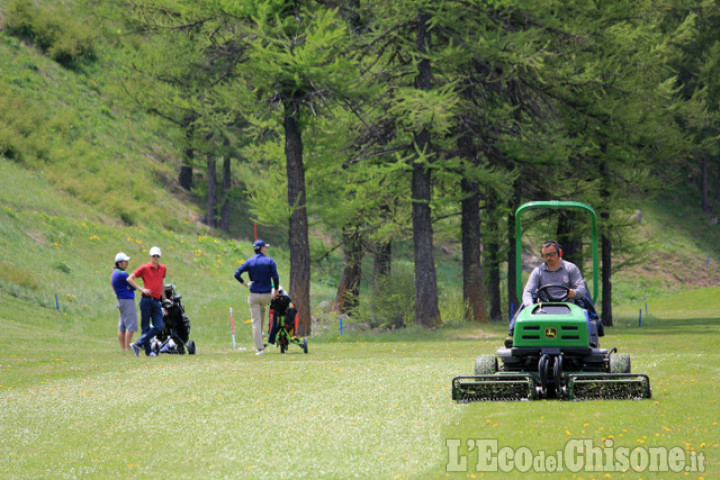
596,326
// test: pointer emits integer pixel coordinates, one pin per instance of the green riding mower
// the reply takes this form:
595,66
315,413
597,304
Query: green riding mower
554,350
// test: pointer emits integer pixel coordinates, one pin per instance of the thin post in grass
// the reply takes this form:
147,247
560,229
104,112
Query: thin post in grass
340,325
232,327
57,303
640,318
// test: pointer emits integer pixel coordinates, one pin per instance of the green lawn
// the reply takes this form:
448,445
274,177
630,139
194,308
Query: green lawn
73,405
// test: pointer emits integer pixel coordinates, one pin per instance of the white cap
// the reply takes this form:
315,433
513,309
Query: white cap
155,251
121,257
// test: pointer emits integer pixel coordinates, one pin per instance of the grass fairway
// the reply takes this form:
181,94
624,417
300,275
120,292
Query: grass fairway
73,405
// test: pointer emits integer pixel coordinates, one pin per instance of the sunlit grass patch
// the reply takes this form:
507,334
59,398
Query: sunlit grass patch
17,275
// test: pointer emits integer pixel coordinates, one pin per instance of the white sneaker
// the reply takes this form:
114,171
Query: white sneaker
260,352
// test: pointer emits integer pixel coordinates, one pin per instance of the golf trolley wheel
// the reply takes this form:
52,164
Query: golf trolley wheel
283,347
304,345
183,328
191,347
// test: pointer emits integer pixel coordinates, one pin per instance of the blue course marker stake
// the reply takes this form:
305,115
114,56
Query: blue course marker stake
340,325
57,303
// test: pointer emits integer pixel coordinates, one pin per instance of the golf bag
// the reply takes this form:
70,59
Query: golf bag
283,323
175,335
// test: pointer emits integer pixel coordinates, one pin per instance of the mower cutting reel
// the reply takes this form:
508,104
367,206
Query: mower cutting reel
554,350
550,381
608,386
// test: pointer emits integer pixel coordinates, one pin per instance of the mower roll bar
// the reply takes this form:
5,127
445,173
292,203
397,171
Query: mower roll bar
555,205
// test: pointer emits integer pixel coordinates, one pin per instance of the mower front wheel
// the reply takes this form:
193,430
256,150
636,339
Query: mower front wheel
486,364
619,363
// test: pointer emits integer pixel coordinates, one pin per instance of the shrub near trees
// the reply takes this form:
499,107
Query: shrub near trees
65,39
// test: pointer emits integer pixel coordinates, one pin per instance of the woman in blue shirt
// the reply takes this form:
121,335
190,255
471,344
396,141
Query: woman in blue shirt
125,293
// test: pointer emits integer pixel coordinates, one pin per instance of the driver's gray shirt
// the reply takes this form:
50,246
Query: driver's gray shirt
567,274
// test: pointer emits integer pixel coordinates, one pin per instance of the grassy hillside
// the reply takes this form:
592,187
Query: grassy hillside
680,247
60,123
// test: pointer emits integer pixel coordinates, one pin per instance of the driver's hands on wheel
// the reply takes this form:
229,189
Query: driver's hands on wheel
544,293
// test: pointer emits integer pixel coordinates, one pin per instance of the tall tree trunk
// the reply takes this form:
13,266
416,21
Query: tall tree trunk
298,232
473,291
706,207
512,279
427,312
212,190
185,176
382,264
605,248
492,261
492,268
226,186
349,287
606,271
568,237
717,191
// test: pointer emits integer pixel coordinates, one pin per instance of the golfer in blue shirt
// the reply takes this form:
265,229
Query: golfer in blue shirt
263,284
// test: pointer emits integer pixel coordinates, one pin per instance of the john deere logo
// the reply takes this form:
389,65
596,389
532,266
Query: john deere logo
551,332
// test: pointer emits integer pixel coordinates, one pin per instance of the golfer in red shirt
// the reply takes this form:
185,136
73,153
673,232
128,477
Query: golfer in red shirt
153,293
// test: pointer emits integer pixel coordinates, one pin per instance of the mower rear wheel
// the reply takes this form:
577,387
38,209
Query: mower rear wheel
486,364
619,363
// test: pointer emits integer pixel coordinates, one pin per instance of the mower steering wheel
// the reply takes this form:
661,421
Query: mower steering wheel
545,289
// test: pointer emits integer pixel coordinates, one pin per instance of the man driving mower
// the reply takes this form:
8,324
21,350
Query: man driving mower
554,348
564,276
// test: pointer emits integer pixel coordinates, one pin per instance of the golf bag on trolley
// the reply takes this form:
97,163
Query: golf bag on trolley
175,335
283,323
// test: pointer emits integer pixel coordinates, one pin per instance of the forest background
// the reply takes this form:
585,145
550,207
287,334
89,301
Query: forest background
372,138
